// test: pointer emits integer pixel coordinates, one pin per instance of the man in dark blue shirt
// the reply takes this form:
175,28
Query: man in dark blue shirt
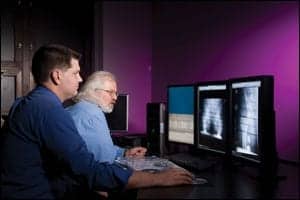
43,155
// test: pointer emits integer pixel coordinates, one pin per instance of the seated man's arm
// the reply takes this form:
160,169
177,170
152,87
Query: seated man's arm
169,177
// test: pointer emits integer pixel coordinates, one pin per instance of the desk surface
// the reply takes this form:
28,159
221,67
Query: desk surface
232,183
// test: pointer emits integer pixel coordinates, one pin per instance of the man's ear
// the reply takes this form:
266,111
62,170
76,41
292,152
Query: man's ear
56,76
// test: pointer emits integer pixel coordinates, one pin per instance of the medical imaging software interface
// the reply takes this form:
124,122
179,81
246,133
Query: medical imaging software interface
245,112
181,114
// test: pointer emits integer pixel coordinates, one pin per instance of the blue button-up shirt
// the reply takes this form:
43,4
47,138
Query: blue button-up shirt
41,145
92,126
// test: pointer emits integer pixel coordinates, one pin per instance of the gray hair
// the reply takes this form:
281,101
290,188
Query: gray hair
95,81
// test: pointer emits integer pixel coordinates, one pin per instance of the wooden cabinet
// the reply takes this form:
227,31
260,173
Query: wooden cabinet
11,56
28,24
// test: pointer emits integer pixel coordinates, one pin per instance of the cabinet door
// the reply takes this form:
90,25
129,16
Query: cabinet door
11,86
7,35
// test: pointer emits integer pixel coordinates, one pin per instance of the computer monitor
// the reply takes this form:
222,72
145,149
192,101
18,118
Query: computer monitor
253,120
180,114
212,116
118,119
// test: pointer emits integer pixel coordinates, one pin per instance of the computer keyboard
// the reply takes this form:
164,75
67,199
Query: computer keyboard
147,163
154,164
191,162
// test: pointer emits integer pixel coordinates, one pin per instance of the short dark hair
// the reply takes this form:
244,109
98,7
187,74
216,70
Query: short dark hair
49,57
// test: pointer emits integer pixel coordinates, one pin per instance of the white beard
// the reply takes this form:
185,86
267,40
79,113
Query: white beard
107,109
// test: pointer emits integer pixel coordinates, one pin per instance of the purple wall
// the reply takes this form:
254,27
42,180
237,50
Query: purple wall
214,41
198,41
127,32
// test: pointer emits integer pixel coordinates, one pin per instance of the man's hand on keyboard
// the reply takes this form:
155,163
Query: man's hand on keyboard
174,176
135,152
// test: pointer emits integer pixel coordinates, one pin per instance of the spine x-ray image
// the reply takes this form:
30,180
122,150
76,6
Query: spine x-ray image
246,119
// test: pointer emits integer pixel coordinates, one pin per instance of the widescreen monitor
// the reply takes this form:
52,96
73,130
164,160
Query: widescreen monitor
212,116
180,114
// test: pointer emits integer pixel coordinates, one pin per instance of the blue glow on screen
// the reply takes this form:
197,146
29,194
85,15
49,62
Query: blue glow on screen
181,100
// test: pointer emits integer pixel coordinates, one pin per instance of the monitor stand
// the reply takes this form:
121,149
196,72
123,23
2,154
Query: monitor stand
192,162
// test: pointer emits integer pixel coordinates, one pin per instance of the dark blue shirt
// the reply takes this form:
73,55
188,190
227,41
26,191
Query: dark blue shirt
41,147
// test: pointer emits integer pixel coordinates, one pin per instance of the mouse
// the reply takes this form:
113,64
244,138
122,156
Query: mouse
199,181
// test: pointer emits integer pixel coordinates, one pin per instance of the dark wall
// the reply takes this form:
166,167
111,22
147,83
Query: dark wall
64,22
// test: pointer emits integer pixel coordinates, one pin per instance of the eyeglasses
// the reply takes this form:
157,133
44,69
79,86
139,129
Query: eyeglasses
111,92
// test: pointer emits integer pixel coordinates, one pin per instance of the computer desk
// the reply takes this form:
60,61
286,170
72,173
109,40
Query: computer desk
232,182
227,182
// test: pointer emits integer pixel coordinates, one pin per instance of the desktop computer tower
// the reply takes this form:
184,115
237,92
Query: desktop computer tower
156,119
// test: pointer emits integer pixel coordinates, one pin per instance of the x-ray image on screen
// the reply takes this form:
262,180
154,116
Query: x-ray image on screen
211,117
252,122
246,119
